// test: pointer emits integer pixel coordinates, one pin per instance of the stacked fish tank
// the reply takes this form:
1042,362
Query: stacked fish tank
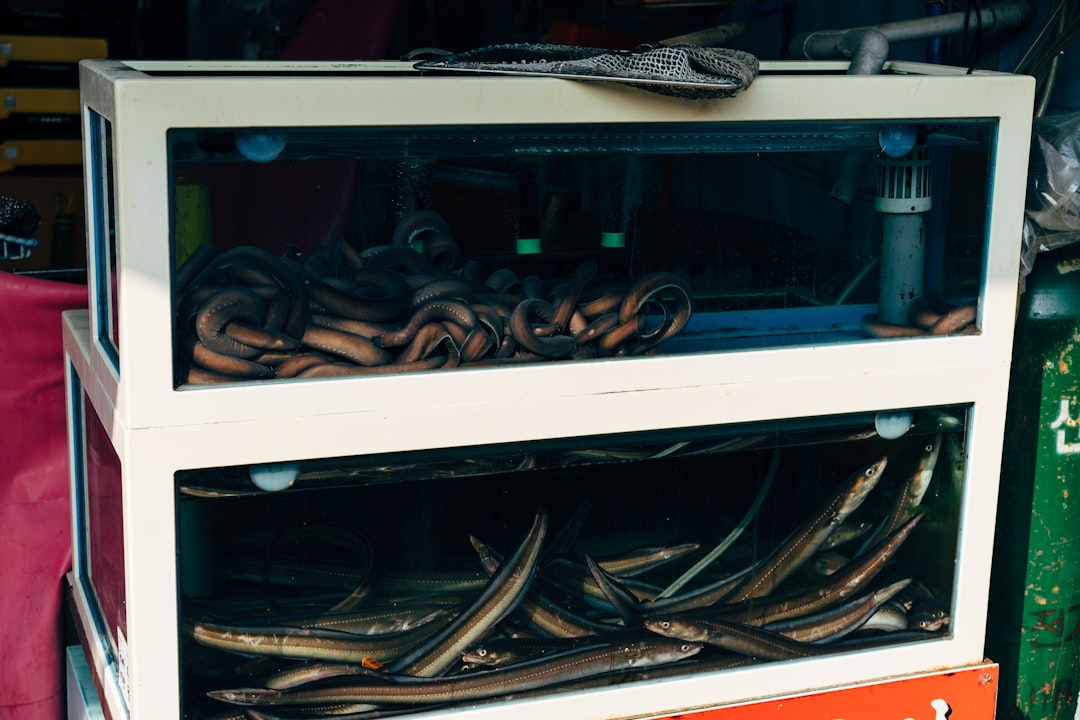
410,394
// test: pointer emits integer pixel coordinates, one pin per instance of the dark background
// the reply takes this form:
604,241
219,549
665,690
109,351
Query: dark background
261,29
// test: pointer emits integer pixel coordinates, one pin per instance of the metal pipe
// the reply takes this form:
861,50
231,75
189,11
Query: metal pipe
936,51
903,199
903,255
712,37
868,49
829,44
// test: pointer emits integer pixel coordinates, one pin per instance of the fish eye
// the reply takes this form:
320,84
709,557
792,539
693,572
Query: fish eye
929,447
481,652
685,647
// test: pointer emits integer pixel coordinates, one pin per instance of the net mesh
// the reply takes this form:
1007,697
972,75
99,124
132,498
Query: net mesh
18,221
17,217
680,70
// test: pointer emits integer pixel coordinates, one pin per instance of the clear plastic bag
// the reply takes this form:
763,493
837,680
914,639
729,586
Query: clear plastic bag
1053,203
1054,176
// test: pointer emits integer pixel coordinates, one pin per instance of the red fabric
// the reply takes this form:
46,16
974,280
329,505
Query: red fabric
35,522
344,30
569,33
313,201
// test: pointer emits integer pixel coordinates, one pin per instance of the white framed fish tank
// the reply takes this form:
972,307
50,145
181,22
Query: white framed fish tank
406,393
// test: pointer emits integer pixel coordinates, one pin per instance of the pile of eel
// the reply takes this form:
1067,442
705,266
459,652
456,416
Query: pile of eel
410,304
396,643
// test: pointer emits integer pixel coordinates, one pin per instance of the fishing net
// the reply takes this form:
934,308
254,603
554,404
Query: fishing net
18,221
687,71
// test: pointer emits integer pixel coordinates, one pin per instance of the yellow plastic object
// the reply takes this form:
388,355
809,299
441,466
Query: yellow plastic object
43,48
15,153
38,100
192,219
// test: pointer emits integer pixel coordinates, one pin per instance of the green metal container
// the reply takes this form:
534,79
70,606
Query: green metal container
1033,628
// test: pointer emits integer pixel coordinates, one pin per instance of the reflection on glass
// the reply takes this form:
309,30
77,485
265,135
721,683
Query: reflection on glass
103,235
819,532
105,529
557,242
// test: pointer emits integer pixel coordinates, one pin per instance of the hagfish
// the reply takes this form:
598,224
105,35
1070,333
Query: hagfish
647,289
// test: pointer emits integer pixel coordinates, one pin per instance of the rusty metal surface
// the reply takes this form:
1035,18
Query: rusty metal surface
1034,624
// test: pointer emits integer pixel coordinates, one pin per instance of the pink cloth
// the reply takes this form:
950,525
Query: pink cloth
35,519
35,523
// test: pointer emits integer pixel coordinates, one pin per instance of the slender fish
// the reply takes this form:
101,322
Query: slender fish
834,623
642,560
577,580
911,493
564,667
890,617
313,643
734,637
541,614
370,621
307,672
624,602
805,541
509,650
840,585
504,591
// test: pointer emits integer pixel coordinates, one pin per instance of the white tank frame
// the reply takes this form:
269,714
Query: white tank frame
158,431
